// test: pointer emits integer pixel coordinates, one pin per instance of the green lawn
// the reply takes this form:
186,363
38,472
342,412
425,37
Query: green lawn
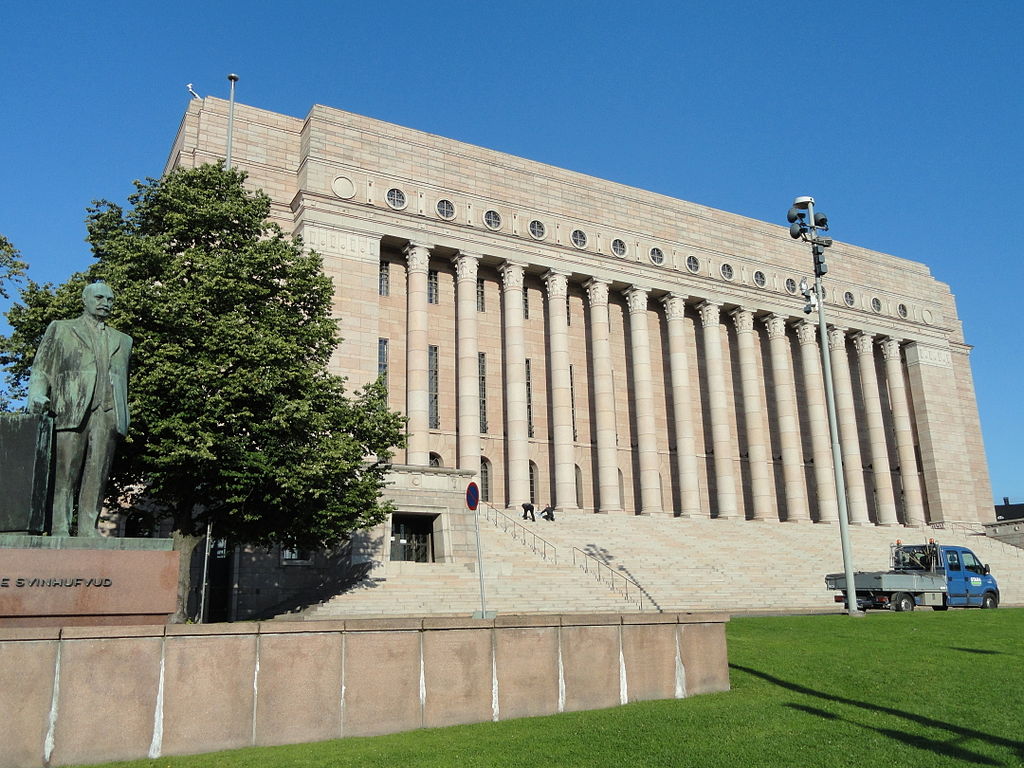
919,689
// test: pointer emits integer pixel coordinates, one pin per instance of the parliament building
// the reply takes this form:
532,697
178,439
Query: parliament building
565,340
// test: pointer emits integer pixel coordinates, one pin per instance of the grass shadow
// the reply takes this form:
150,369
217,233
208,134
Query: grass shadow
941,747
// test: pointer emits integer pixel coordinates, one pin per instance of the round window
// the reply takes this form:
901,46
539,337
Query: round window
445,209
849,299
657,256
492,219
537,229
579,238
759,279
727,272
619,247
396,198
790,285
693,263
876,304
902,310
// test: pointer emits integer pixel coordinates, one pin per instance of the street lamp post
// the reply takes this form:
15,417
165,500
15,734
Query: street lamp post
804,224
232,78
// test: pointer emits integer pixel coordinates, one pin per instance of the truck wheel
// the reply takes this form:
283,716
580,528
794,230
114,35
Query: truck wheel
989,601
901,601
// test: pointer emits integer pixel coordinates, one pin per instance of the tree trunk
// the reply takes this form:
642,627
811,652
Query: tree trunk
184,544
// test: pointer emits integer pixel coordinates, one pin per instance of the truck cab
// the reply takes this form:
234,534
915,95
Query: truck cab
968,581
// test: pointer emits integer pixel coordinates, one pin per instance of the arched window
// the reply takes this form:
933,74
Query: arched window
435,460
485,479
533,482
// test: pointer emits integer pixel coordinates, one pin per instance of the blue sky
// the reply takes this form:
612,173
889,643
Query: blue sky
903,120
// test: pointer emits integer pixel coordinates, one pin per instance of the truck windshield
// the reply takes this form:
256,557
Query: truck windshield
912,558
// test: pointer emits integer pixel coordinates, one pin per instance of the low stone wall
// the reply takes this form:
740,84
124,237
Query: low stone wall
81,695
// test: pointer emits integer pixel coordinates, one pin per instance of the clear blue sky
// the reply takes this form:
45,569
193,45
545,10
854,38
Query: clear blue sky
904,120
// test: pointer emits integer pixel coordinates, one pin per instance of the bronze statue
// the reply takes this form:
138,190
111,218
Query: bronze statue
80,376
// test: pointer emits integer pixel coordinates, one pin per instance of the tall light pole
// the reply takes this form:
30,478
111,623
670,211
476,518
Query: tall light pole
804,224
233,78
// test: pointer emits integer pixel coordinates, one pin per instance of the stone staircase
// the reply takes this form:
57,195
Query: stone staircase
677,564
516,580
738,565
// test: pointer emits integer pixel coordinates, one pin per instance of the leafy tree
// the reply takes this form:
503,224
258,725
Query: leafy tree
236,419
11,270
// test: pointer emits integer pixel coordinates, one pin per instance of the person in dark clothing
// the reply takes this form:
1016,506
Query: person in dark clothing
528,510
548,513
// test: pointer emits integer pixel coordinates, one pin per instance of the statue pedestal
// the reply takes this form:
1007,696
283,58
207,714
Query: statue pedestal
48,581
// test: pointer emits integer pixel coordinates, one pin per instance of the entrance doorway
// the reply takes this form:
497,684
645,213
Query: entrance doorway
412,538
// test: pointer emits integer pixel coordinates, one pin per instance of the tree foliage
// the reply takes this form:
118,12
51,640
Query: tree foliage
236,418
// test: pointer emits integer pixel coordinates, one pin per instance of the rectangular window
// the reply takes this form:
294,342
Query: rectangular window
432,372
482,373
568,312
572,403
481,304
432,289
290,556
526,305
382,359
529,398
384,280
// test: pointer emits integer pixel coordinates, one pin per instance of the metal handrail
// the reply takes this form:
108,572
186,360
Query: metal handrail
970,528
544,548
587,560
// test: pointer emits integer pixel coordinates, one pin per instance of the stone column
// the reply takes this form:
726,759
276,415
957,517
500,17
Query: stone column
682,407
517,444
723,447
467,344
817,418
885,503
853,466
604,398
561,391
753,416
643,397
417,259
789,422
913,503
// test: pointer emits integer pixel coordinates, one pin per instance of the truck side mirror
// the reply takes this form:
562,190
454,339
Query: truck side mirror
987,569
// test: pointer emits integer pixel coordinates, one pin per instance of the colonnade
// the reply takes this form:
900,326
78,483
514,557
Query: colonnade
776,372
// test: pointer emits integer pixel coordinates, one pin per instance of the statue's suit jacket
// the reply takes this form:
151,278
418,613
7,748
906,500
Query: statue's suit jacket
66,370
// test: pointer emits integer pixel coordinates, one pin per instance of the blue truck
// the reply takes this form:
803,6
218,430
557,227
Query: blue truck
929,574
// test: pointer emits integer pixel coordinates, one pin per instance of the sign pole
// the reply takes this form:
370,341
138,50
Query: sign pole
473,502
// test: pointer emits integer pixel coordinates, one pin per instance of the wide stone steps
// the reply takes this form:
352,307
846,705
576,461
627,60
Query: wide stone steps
678,565
516,580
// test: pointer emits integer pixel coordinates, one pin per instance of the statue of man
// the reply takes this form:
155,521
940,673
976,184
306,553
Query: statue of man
80,376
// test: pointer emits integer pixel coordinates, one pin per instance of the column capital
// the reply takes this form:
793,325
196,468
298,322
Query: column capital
512,274
636,298
709,313
466,265
836,338
890,348
776,325
864,342
806,331
675,305
743,318
597,291
557,284
417,257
